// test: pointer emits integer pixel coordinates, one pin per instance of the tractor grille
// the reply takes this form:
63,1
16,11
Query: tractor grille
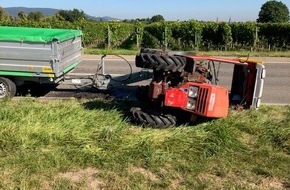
201,100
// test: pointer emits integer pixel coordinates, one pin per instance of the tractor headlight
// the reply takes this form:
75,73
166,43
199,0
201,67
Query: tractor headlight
191,104
192,91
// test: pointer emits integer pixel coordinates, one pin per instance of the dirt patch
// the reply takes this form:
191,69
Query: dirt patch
146,173
175,183
5,176
89,175
253,182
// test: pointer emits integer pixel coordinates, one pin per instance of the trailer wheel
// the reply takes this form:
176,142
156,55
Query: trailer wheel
153,120
7,88
13,88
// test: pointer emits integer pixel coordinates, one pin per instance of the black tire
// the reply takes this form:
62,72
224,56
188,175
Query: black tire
153,120
160,62
13,88
7,88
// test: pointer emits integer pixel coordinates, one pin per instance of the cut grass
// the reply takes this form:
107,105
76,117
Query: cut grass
90,144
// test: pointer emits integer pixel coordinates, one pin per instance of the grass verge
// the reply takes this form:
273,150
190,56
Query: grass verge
110,51
241,53
90,144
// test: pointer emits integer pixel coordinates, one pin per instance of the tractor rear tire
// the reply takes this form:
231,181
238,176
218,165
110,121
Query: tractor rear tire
7,88
160,62
157,121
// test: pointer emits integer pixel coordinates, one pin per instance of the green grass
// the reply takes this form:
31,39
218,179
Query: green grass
241,53
90,144
110,51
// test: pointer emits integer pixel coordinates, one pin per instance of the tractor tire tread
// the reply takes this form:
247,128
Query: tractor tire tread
160,62
158,121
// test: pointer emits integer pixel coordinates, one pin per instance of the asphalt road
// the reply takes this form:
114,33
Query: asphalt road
276,89
277,83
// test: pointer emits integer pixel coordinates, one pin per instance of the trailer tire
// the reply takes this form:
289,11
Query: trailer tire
157,121
7,88
160,62
13,88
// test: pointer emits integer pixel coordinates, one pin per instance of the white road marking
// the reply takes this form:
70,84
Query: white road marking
274,104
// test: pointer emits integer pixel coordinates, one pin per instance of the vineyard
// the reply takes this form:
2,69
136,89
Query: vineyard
189,35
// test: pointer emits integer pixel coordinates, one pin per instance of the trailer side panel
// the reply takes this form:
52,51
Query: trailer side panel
35,52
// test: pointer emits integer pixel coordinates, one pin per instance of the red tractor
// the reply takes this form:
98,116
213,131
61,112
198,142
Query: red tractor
185,84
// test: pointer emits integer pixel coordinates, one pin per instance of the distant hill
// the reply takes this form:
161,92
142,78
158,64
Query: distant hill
47,12
13,11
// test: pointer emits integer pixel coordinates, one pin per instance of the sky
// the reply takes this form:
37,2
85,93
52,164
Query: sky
201,10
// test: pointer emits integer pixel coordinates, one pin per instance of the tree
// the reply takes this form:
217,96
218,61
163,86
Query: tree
57,16
35,16
157,18
273,11
72,15
22,15
3,14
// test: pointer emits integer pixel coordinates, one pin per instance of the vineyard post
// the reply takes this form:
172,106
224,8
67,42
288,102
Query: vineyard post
256,37
137,37
195,41
109,37
165,37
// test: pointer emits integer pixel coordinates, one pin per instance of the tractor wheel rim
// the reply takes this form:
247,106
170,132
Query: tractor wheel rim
3,90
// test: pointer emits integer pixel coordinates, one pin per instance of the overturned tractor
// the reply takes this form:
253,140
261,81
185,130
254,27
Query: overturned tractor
185,85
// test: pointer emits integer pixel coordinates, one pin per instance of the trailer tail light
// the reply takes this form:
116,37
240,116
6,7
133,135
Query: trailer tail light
202,101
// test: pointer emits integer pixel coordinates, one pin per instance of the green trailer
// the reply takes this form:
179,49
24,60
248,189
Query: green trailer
36,55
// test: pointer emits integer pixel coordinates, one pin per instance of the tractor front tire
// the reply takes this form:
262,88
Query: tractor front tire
157,121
